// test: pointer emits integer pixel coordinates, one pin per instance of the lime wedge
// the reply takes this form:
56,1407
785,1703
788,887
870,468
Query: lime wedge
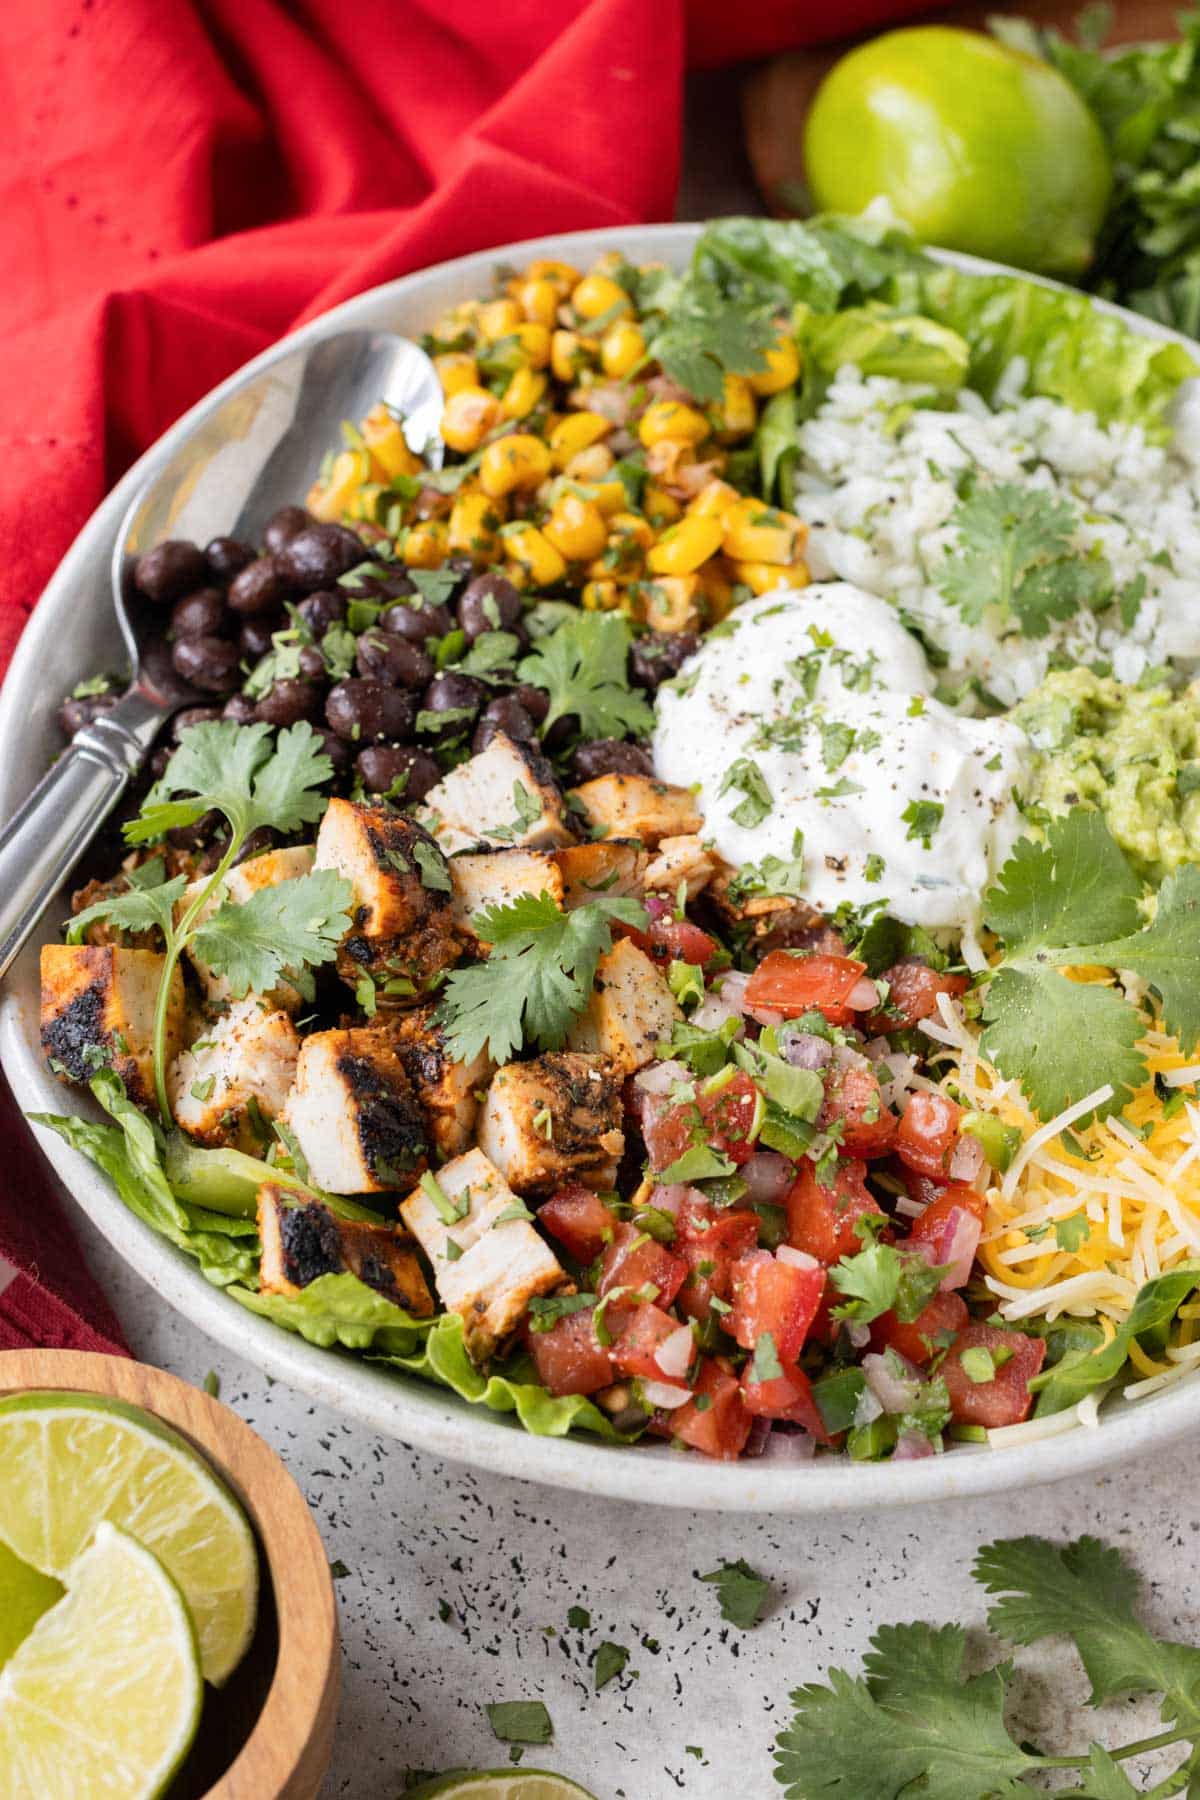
501,1784
71,1460
25,1594
104,1695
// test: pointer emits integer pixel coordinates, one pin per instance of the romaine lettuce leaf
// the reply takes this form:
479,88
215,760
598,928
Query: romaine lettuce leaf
340,1309
1083,1370
905,346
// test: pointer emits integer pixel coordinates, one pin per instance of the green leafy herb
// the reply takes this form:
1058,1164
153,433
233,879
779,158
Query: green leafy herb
1082,1370
610,1661
748,778
883,1279
1014,553
287,925
699,1163
582,666
578,1618
520,1721
742,1592
922,818
434,869
708,335
545,1312
774,877
765,1364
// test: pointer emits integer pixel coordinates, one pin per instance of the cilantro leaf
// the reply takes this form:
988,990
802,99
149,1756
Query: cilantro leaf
141,908
913,1720
883,1279
537,978
708,335
583,667
1086,1590
288,925
748,778
1167,954
741,1591
1061,1039
610,1661
1014,552
520,1721
1105,1779
1076,888
236,770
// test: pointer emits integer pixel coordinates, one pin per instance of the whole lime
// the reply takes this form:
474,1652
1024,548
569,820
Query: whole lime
976,146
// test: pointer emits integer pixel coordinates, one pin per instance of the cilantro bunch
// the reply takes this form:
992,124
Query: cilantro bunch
914,1723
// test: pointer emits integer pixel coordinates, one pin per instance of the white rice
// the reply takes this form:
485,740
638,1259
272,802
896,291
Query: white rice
877,487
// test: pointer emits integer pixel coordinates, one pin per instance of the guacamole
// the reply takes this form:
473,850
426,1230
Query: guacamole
1132,752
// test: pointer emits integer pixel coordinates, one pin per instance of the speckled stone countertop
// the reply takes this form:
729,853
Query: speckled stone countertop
456,1589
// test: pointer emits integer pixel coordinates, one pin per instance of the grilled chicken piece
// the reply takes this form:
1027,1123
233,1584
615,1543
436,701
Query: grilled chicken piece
609,866
505,795
302,1240
631,1012
98,1010
103,931
680,860
354,1114
496,1265
495,877
634,806
402,934
447,1091
554,1119
257,872
237,1075
779,918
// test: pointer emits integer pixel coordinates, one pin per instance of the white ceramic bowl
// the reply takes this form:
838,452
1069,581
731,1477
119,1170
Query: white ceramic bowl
71,634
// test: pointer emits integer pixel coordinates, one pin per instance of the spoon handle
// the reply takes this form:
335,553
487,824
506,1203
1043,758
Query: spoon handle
45,838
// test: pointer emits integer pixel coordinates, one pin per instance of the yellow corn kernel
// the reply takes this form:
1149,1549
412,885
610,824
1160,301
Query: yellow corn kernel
576,528
714,500
547,268
518,462
576,431
660,507
533,552
717,589
568,355
457,369
737,415
362,506
608,264
427,544
622,348
783,367
685,546
600,596
629,537
498,319
597,294
523,393
592,464
608,496
667,460
762,577
539,300
390,454
671,602
534,340
755,532
475,521
470,414
671,420
350,470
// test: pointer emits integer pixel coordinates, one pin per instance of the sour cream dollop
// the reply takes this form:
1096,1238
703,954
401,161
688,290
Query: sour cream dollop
811,711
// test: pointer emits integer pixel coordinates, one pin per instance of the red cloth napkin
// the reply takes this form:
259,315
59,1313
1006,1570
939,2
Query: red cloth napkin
181,183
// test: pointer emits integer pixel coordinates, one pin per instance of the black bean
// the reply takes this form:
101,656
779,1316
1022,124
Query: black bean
506,714
254,638
261,587
240,708
170,570
458,696
418,622
380,765
208,663
316,556
193,715
74,713
284,525
386,657
201,614
609,756
339,753
365,711
311,663
323,609
158,761
227,557
257,844
489,603
535,700
288,701
658,656
396,584
200,831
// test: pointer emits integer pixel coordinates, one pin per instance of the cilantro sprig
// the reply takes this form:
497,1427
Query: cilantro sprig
914,1722
709,334
1014,552
536,980
583,667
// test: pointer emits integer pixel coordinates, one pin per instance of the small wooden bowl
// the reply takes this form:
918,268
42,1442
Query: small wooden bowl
268,1734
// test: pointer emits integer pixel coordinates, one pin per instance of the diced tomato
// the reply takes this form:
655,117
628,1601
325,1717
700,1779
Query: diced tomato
710,1240
775,1297
580,1221
716,1421
569,1358
928,1133
950,1228
913,990
723,1118
824,1220
1005,1399
641,1334
921,1338
852,1096
791,985
787,1396
669,940
633,1260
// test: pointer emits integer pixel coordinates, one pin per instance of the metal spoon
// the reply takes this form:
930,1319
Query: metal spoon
263,443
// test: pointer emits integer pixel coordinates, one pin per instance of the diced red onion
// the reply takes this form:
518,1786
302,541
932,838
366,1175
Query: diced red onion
953,1248
847,1057
611,399
660,1077
799,1259
859,1335
911,1446
863,996
790,1447
675,1353
670,1197
894,1387
756,1443
665,1395
869,1408
724,1000
804,1049
768,1176
967,1159
895,1073
658,906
